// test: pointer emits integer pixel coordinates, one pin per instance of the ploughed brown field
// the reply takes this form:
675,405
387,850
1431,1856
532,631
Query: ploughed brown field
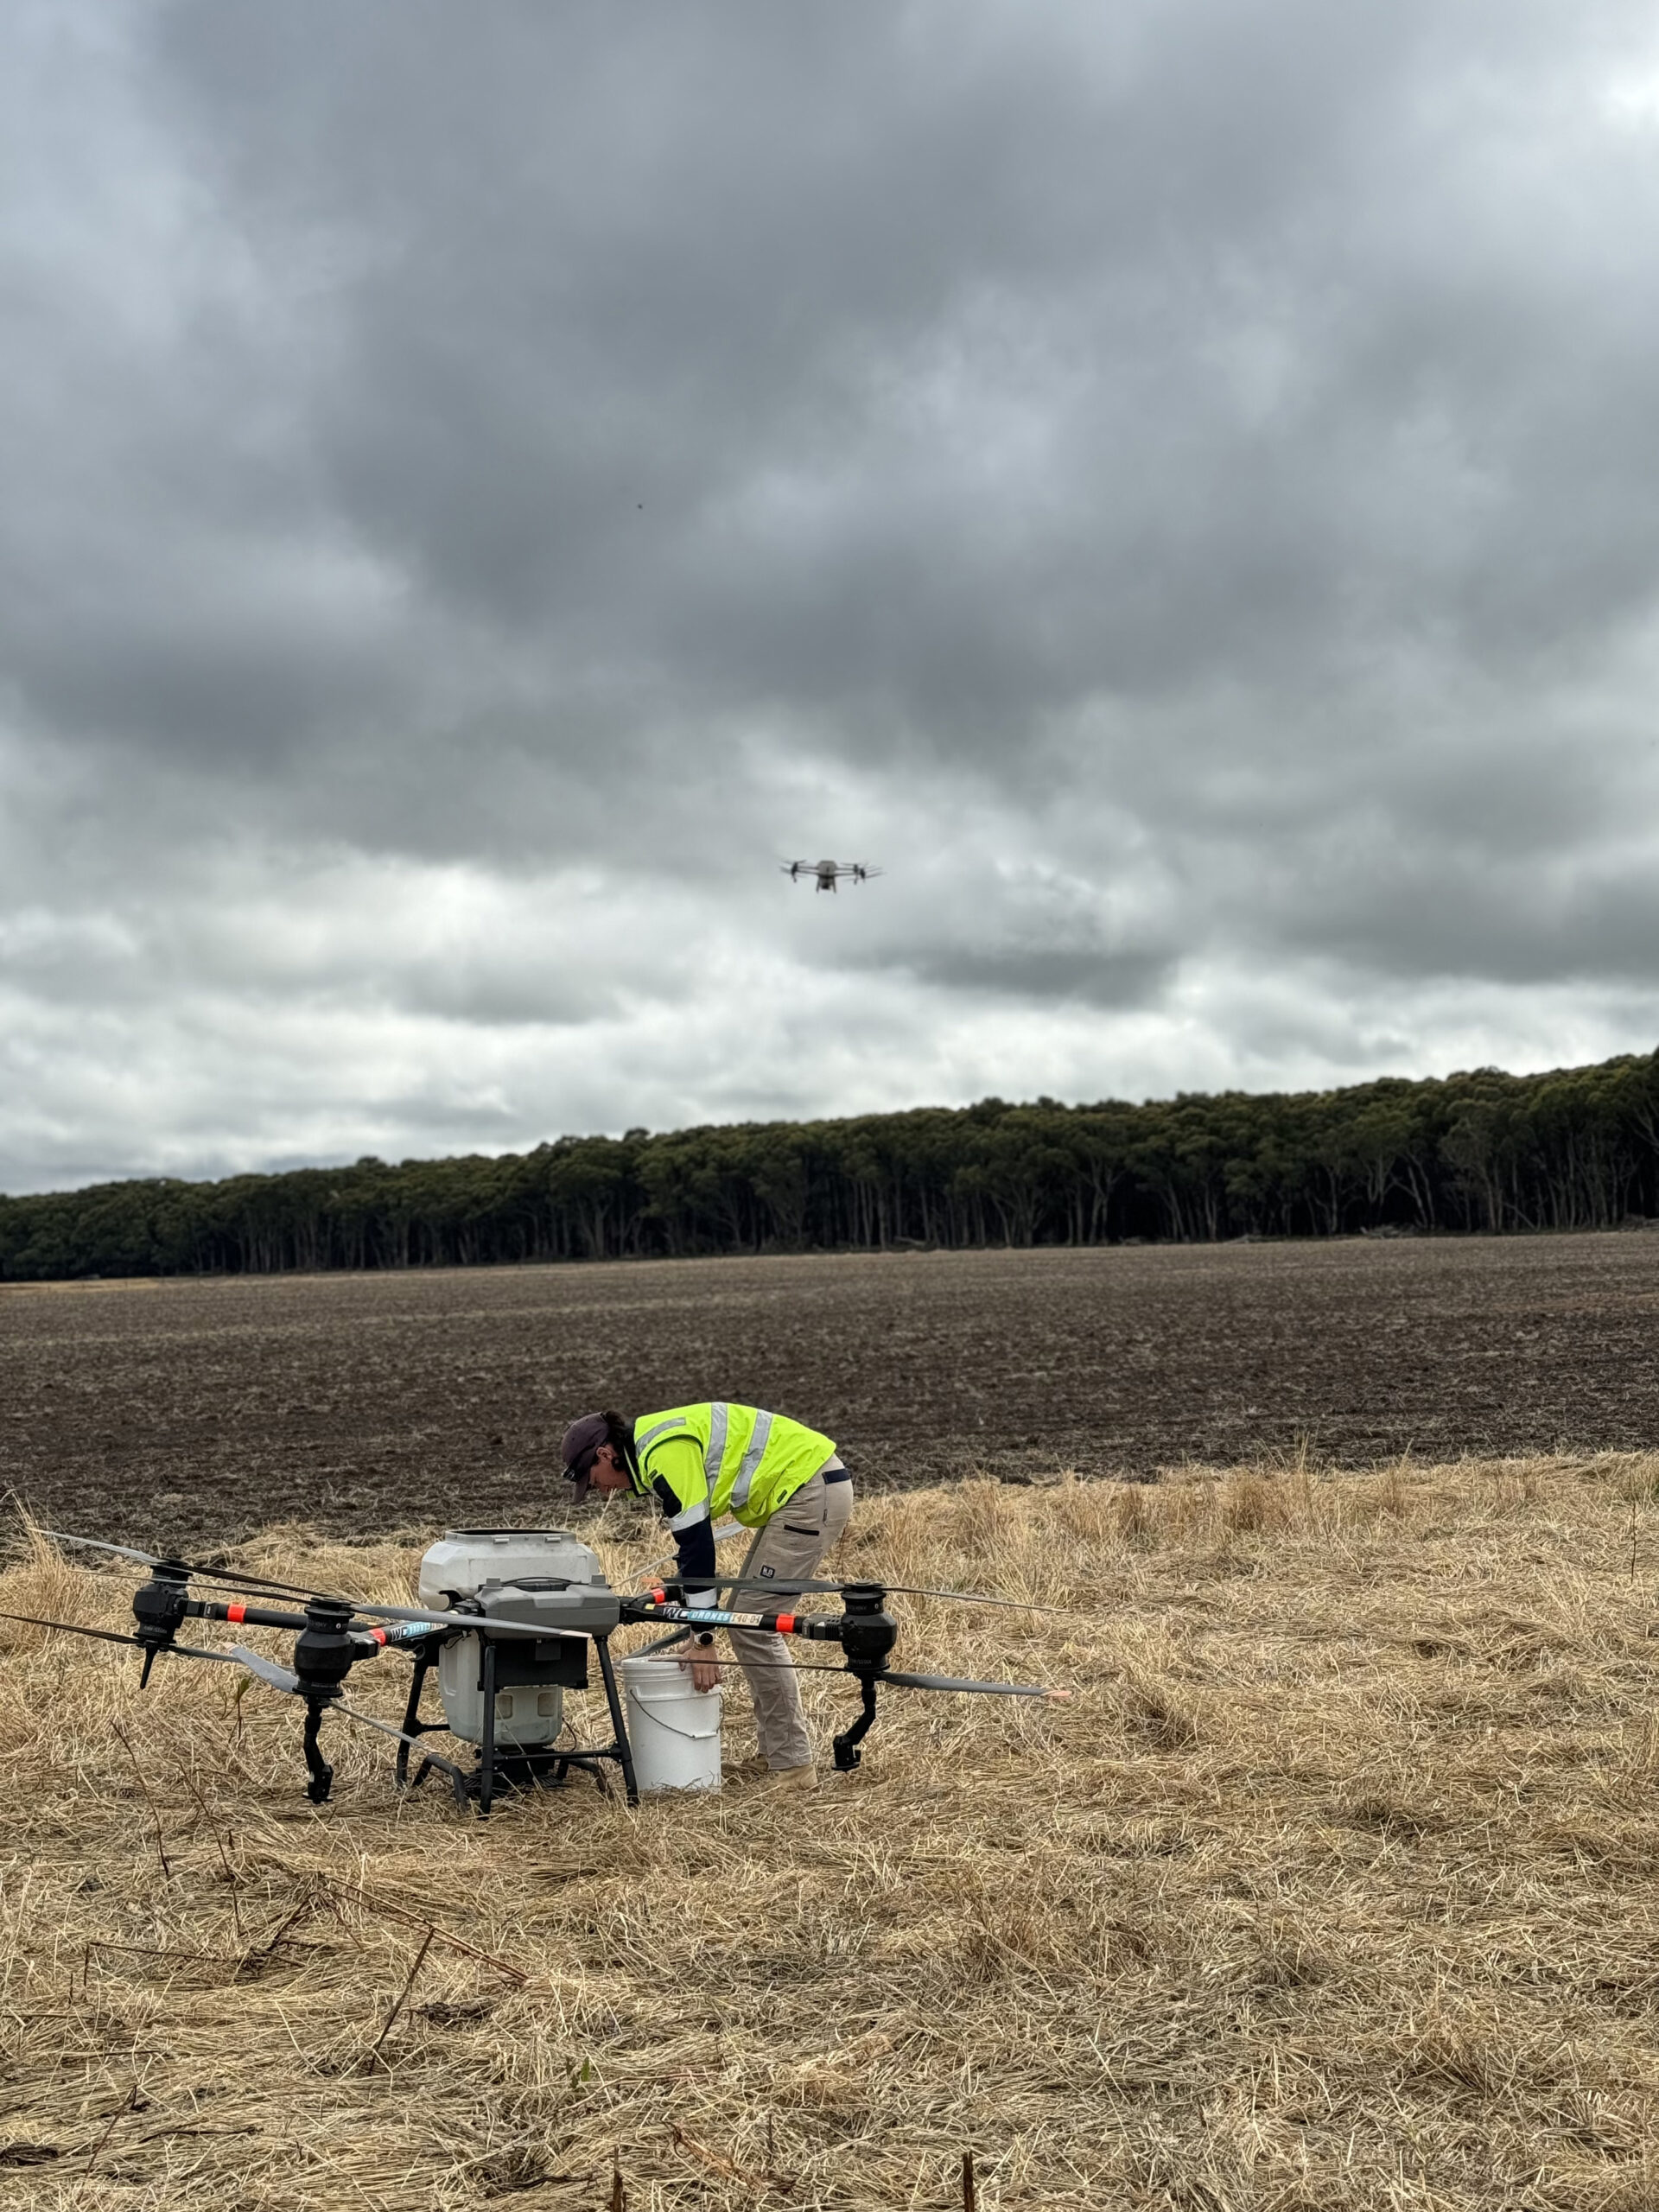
1332,1886
190,1410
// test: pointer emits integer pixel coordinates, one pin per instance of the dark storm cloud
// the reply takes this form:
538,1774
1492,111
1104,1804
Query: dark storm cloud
1104,980
1175,483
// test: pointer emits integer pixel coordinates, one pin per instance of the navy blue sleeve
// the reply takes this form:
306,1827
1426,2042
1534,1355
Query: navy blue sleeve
695,1547
697,1569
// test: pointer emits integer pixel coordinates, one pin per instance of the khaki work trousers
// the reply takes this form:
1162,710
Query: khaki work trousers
804,1526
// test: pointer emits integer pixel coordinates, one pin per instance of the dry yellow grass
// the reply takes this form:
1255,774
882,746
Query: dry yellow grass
1335,1887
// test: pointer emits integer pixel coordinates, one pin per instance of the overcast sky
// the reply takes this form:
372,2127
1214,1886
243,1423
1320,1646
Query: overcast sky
1175,484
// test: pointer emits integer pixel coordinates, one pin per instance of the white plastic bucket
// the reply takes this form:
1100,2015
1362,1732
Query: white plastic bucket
673,1729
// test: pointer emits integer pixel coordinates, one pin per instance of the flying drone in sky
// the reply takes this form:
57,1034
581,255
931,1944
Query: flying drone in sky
826,872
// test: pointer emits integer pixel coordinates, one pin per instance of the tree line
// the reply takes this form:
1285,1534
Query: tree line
1482,1152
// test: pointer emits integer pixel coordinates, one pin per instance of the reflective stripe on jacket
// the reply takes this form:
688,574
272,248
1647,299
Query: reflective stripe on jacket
718,1459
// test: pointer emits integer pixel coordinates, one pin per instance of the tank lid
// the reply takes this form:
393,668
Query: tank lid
501,1536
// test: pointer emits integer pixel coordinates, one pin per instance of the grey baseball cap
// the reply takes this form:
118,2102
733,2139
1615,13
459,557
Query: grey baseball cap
581,1440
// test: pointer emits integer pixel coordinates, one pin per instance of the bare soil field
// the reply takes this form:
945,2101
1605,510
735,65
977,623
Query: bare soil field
189,1411
1333,1888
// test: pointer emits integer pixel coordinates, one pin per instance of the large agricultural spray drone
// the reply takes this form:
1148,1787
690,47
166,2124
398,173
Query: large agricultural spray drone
824,874
505,1646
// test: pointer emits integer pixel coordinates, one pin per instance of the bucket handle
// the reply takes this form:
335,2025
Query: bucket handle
690,1735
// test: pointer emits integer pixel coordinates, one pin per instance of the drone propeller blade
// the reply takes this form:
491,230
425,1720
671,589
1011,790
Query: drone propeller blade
904,1681
250,1586
113,1635
258,1585
368,1720
280,1678
978,1598
986,1689
97,1544
788,1587
423,1614
261,1586
217,1578
74,1628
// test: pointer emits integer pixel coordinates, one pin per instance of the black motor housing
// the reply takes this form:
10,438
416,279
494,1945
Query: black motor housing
325,1651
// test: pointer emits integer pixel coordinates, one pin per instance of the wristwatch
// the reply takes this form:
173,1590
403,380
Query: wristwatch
706,1638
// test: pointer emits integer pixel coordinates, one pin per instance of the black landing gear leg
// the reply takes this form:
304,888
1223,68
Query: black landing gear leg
847,1754
322,1775
426,1660
620,1745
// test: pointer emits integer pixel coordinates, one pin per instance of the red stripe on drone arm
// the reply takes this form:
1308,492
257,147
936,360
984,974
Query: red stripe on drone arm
785,1623
236,1610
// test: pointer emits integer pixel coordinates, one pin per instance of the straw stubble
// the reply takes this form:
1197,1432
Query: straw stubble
1333,1887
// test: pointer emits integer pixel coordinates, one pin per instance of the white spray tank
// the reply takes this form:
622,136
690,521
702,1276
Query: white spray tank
467,1562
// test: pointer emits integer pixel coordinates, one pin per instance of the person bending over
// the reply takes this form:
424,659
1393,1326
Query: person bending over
771,1474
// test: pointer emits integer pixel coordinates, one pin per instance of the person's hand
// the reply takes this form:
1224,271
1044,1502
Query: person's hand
702,1665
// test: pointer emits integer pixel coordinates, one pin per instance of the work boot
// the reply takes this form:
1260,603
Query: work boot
747,1769
779,1779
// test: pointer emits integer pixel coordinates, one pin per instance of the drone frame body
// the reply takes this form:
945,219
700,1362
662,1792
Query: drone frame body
824,875
334,1634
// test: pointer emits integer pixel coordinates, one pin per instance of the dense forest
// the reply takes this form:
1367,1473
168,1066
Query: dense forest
1578,1148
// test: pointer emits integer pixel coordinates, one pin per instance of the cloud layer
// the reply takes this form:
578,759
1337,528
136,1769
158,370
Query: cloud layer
1174,485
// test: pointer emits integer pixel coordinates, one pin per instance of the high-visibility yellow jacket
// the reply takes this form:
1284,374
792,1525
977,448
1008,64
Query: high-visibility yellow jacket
708,1460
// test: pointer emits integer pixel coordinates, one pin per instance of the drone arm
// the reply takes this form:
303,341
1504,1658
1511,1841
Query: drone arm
865,1629
111,1636
213,1609
657,1605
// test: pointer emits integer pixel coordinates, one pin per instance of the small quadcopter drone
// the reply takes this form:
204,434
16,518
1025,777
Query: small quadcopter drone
506,1640
826,873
